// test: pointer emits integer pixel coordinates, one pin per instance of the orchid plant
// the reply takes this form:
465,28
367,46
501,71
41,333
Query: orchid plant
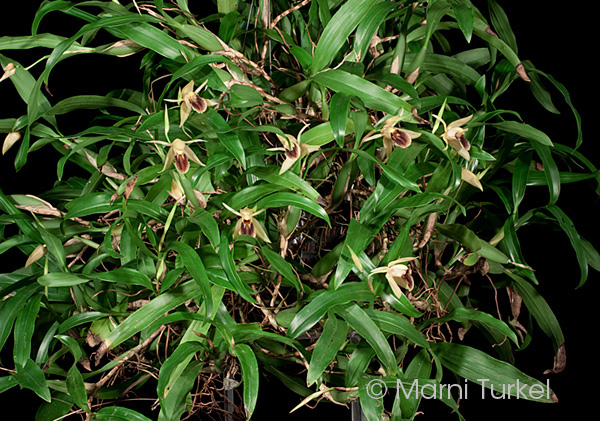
187,260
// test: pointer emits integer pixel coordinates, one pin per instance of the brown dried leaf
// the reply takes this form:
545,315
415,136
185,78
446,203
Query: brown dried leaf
560,361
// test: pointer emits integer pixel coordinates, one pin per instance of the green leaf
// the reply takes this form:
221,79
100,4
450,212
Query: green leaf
288,180
282,266
150,312
370,394
7,382
13,305
550,171
250,376
226,136
119,413
470,240
24,329
226,6
60,279
168,371
58,408
569,228
316,309
193,263
418,368
499,376
463,13
373,96
501,24
397,324
126,276
209,226
519,179
539,309
156,40
30,376
360,321
337,31
367,27
92,102
326,348
89,204
463,314
173,405
524,130
281,199
202,36
231,271
24,225
76,388
339,106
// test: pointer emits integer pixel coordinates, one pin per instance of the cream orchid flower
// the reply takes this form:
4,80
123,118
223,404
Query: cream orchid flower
181,154
191,100
454,135
396,136
294,149
247,224
397,275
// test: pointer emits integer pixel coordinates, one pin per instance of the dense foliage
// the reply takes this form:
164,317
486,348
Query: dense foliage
324,192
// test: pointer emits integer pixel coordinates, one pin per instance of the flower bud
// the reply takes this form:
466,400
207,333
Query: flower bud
9,70
10,140
36,255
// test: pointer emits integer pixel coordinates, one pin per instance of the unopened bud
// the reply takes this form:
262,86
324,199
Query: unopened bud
10,140
36,255
9,70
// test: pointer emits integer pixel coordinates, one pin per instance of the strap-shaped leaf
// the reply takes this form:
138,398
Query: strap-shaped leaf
30,376
398,325
360,321
24,329
168,371
193,263
499,376
231,271
250,376
282,199
327,347
337,31
150,312
339,107
373,96
318,306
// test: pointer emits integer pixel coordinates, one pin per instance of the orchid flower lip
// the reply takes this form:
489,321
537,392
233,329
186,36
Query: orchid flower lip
180,154
247,224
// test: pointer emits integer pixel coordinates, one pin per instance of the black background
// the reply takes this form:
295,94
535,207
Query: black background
560,40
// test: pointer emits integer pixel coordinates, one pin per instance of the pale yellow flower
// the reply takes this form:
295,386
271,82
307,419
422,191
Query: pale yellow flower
396,136
247,224
293,149
454,135
189,99
397,275
180,154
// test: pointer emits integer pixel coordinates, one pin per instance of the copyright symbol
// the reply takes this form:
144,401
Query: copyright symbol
376,389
